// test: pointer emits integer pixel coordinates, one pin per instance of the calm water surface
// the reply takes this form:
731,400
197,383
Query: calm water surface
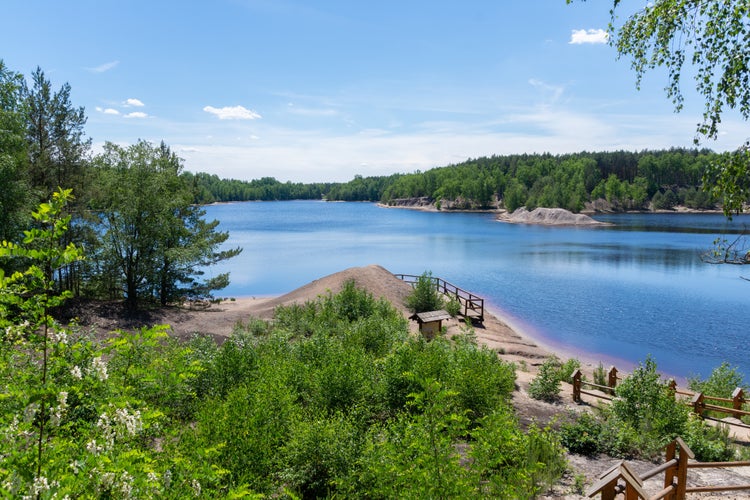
622,292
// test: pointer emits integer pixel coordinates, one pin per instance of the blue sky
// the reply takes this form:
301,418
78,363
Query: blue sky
324,90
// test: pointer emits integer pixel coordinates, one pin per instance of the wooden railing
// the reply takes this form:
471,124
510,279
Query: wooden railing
606,390
472,306
621,479
700,403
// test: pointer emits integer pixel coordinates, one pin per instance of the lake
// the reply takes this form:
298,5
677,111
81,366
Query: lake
620,292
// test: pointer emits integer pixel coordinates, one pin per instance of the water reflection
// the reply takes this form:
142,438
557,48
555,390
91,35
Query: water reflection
617,255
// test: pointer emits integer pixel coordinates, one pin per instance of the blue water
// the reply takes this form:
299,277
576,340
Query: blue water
621,292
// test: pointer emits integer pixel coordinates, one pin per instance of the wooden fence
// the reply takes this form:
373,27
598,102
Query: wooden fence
621,479
472,306
700,403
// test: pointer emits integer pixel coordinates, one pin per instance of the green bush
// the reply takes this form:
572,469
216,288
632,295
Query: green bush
722,382
582,435
453,307
425,296
648,405
319,450
546,385
565,374
600,375
709,443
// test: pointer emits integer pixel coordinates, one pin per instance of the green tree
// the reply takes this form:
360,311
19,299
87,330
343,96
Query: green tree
14,200
57,147
425,296
155,239
27,297
714,39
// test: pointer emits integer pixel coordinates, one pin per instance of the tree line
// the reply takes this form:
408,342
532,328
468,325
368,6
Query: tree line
624,180
618,180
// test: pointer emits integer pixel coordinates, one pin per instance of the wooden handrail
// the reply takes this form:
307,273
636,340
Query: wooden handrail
471,303
621,479
698,400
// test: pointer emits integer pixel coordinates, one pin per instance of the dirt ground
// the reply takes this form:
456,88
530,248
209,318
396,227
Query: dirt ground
219,319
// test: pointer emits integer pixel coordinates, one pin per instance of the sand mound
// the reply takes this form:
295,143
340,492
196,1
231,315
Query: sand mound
373,278
548,217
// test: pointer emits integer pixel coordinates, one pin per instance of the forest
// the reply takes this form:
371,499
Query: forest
611,181
625,180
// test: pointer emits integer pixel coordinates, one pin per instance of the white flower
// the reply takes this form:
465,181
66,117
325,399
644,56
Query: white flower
131,422
196,485
99,368
152,477
30,412
42,485
126,484
108,478
93,448
59,411
76,465
76,372
59,336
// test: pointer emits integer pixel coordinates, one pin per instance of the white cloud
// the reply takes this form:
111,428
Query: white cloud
578,37
136,114
135,103
232,113
104,67
107,111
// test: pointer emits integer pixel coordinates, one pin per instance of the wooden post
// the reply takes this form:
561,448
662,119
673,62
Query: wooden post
672,384
577,386
669,474
738,399
698,404
682,463
612,380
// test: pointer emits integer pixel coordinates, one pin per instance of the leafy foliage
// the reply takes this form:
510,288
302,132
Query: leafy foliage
546,385
156,241
646,404
722,382
425,296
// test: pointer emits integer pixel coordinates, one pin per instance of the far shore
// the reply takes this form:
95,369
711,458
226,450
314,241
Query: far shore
677,210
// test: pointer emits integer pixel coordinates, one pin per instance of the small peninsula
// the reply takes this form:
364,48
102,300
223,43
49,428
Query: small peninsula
548,217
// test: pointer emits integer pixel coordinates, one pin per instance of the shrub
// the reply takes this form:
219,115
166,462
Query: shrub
722,382
567,369
546,385
600,375
453,307
319,450
582,435
515,465
709,443
425,296
647,404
